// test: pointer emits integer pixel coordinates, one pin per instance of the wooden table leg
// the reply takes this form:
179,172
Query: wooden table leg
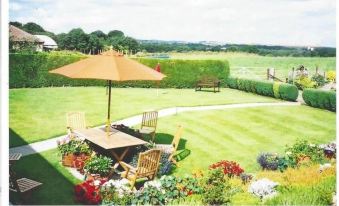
119,158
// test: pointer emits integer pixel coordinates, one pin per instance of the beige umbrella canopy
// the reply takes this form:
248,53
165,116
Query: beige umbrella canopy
111,66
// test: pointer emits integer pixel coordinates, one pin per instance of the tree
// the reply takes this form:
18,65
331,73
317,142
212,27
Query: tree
115,34
99,34
32,28
94,44
16,24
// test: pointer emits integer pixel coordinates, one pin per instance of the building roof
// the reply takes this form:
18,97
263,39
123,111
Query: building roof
48,41
19,35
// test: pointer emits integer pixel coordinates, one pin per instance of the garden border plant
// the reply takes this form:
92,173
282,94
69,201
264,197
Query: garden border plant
320,99
283,91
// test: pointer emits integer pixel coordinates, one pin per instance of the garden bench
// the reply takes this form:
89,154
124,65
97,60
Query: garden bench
208,82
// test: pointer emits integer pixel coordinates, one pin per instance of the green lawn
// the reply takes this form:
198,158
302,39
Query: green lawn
39,114
257,65
231,134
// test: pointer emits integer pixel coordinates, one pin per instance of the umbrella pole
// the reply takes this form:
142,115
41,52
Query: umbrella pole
109,107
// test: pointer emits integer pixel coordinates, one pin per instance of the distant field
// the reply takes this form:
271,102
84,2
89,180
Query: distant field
252,65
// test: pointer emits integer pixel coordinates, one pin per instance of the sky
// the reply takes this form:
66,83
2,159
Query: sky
270,22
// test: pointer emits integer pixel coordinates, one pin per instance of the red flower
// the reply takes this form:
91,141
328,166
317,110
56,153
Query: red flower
229,168
88,193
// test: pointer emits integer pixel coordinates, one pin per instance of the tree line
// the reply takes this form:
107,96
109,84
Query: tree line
93,42
77,40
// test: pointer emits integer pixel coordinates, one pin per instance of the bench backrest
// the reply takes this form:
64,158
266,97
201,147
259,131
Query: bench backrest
76,120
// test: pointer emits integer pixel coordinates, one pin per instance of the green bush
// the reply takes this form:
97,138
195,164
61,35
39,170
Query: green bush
185,73
305,82
288,92
272,89
320,99
31,70
232,82
264,88
276,86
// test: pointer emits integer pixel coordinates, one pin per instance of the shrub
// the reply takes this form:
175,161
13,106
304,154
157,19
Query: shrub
117,192
276,86
229,168
217,190
320,99
99,165
305,82
288,92
264,88
73,146
268,161
319,80
272,89
232,82
31,70
331,76
303,150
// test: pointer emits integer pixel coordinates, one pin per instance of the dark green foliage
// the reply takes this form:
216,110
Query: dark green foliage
319,79
99,165
264,88
183,73
217,189
32,28
288,92
31,70
320,99
232,82
268,161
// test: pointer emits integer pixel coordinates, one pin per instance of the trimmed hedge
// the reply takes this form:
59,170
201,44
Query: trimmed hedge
31,70
320,99
288,92
266,88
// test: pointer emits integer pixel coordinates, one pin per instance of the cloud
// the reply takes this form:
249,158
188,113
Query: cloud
284,22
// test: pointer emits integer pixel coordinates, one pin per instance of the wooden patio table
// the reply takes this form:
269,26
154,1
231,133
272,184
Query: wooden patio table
112,141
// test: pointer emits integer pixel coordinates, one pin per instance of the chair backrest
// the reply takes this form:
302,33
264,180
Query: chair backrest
148,163
177,137
76,120
13,185
149,119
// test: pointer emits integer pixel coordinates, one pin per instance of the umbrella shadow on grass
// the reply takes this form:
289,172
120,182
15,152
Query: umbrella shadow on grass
58,183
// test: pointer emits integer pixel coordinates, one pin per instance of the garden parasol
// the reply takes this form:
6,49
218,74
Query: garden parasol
111,66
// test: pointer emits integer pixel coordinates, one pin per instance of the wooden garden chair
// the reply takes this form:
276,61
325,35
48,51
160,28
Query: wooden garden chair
23,186
75,120
149,123
148,164
171,148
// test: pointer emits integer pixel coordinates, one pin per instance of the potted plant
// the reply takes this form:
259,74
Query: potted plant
98,167
72,150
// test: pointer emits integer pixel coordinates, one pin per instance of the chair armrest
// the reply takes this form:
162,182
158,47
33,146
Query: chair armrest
127,167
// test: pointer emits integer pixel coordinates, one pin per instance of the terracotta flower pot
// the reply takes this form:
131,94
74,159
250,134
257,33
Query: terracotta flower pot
68,159
79,162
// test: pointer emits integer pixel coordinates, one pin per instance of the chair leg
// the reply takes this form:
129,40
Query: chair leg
132,182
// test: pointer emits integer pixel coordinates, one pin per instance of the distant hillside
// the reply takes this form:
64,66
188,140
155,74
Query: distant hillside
265,50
